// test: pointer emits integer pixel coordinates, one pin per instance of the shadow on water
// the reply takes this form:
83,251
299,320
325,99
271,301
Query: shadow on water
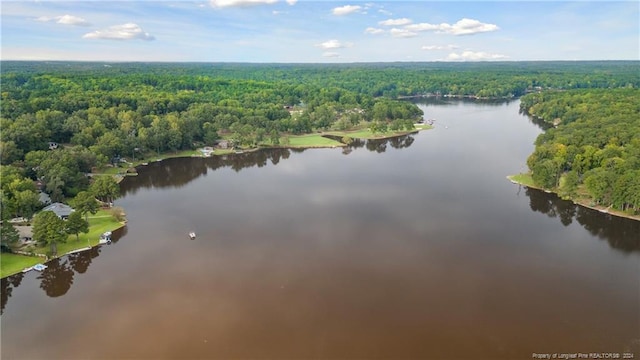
178,172
57,278
6,287
538,122
621,234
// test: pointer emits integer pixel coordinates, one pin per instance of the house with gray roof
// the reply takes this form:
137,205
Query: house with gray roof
44,198
61,210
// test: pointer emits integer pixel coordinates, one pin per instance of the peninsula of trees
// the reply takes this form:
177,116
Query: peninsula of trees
591,153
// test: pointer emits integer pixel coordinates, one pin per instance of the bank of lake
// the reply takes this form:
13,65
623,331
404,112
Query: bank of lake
525,179
304,141
99,223
103,221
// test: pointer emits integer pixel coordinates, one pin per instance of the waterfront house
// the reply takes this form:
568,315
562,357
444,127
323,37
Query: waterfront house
44,198
61,210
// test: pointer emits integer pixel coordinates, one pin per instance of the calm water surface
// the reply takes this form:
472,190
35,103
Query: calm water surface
412,248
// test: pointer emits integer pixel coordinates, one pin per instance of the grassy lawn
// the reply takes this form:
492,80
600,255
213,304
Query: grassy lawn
523,179
367,134
223,151
423,127
111,171
99,223
311,140
355,134
13,264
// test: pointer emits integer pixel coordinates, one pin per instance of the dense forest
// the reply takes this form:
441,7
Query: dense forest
61,120
593,147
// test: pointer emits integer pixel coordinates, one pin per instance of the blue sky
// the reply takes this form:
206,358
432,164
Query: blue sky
319,31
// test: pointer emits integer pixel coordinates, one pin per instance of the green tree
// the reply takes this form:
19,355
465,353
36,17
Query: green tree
75,224
599,184
85,203
545,174
49,229
105,188
27,202
8,234
569,184
9,152
275,137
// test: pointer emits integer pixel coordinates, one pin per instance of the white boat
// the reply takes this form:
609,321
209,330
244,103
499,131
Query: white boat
39,267
105,238
192,235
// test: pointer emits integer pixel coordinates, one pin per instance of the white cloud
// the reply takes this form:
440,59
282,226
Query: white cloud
127,31
345,10
72,20
65,20
471,26
385,12
334,44
395,22
292,2
462,27
331,54
424,27
241,3
439,47
403,33
374,31
475,56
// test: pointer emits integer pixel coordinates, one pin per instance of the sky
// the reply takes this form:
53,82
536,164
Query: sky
300,31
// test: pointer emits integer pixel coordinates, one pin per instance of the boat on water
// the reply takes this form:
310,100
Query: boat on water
39,267
192,235
105,238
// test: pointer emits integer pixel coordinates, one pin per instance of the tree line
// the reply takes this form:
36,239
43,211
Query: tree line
593,147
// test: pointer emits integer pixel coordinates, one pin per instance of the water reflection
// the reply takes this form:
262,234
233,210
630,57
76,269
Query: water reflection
80,262
179,172
6,287
57,278
621,234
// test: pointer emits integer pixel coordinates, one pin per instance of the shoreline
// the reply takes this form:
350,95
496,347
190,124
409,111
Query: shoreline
602,209
195,153
223,152
43,259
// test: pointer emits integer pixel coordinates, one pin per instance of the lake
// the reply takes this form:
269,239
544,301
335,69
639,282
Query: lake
416,247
